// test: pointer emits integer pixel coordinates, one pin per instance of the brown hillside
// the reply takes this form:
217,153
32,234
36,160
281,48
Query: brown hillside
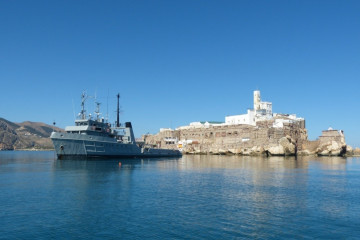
25,135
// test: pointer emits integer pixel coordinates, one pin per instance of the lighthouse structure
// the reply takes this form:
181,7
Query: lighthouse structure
257,100
261,111
262,108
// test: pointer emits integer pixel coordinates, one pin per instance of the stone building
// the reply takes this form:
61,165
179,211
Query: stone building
166,138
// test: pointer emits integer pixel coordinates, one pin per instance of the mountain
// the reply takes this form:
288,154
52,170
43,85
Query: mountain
25,135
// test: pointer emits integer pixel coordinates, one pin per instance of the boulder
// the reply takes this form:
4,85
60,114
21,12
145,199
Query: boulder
349,151
222,151
234,150
288,144
356,152
333,148
197,151
214,151
276,150
245,151
257,151
286,147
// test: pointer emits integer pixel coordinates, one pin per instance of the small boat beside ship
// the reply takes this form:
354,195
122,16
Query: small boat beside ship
96,138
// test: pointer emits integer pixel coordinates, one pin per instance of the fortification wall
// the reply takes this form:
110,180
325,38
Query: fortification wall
237,139
262,139
331,135
310,146
158,140
241,139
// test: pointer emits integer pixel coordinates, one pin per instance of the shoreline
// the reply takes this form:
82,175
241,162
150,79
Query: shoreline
261,155
202,153
29,150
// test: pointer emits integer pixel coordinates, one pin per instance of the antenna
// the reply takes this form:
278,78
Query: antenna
73,109
118,111
97,111
83,111
107,107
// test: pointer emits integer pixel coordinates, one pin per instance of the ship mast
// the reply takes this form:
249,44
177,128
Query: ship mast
97,111
83,111
118,111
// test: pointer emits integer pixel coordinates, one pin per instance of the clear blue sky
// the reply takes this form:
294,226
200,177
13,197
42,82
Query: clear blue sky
175,62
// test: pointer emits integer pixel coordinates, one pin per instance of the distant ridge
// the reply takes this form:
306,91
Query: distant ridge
25,135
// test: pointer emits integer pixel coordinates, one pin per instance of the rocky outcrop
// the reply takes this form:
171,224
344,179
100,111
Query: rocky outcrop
332,143
331,149
286,147
257,151
356,152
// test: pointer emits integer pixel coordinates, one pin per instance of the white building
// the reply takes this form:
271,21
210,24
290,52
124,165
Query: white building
248,118
261,111
280,119
206,124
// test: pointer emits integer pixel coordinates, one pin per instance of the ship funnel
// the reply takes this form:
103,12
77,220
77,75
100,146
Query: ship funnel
132,136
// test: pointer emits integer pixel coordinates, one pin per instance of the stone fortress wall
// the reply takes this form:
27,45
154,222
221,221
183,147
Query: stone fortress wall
264,133
235,139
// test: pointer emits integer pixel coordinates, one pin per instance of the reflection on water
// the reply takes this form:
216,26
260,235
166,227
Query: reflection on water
193,197
331,163
11,157
238,162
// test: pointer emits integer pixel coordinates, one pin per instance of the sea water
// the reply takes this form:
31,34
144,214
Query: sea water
193,197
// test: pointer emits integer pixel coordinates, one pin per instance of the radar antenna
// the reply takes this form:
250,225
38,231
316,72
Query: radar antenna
54,123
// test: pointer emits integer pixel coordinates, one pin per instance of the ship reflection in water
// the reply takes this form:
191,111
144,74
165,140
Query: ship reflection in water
193,197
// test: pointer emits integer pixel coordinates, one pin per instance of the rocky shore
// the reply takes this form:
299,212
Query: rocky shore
286,147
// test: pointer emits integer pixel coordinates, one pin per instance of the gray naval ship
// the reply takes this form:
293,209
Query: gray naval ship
96,138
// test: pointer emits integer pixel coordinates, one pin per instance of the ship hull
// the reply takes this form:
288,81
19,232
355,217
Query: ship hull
70,145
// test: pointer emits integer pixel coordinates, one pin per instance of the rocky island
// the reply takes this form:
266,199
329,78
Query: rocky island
258,132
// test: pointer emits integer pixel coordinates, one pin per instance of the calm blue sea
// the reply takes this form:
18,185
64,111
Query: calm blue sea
193,197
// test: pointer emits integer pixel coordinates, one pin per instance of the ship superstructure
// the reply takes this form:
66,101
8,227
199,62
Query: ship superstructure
91,138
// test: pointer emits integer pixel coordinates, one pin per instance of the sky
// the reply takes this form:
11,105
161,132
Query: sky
176,62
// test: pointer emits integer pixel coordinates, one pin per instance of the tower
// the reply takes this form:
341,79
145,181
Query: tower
257,100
